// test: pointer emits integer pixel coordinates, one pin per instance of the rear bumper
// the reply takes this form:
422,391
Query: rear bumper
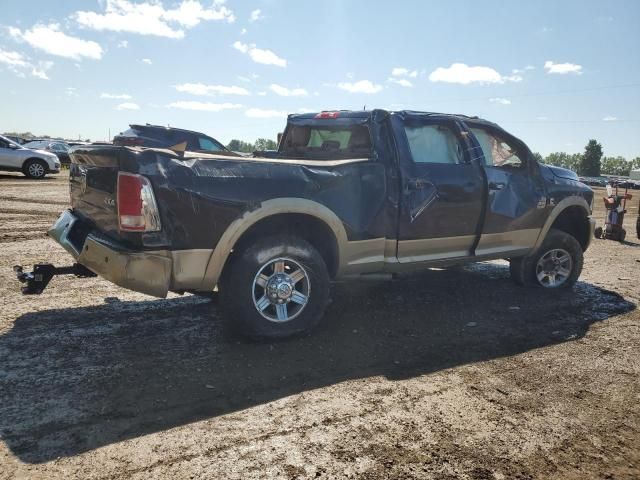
151,272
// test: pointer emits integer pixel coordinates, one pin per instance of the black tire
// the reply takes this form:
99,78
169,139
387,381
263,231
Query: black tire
240,295
35,168
525,270
598,232
623,235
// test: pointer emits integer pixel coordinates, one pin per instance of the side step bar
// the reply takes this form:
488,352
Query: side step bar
36,281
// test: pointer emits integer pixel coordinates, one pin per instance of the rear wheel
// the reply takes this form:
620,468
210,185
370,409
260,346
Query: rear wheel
35,168
276,287
598,232
556,264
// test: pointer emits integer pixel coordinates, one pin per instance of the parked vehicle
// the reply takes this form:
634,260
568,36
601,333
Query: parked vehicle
164,137
59,148
15,139
350,193
34,163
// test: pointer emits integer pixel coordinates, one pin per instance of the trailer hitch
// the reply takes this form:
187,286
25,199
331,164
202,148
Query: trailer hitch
36,281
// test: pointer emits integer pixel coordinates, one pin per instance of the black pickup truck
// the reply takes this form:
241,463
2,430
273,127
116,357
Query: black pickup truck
347,193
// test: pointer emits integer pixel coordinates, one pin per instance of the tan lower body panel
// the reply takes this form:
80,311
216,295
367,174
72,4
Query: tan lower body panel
507,242
430,249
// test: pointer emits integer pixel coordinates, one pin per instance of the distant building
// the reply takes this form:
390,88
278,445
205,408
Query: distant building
635,174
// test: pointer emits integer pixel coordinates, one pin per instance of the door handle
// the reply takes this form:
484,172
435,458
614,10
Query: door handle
417,184
496,185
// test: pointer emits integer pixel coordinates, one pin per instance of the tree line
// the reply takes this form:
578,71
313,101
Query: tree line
248,147
591,163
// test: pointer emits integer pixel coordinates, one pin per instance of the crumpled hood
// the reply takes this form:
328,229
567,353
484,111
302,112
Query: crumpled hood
562,172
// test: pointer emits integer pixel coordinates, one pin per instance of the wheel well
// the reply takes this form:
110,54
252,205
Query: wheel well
573,220
35,159
307,227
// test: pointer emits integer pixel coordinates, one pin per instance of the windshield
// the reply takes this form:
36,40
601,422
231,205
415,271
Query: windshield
327,142
10,142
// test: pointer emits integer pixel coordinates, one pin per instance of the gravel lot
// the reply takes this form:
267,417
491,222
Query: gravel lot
447,374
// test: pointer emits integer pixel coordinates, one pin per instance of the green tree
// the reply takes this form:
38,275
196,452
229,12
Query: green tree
265,144
236,145
617,166
635,163
590,162
538,157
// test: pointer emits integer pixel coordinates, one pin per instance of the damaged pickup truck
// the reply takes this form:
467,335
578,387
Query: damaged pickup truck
347,193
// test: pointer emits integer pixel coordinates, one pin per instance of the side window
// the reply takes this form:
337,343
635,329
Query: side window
207,144
497,152
433,144
3,144
58,147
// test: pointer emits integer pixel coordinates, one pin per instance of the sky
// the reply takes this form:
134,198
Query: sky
554,73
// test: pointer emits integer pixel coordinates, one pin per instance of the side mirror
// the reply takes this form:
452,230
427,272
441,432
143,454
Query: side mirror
13,147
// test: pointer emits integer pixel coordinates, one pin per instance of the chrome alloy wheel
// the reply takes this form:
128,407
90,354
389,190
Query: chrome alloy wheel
281,290
36,170
554,268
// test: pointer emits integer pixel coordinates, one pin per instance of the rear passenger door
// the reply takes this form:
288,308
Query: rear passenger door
516,197
442,190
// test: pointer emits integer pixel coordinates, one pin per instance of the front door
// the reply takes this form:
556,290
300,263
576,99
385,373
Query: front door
9,157
443,189
516,197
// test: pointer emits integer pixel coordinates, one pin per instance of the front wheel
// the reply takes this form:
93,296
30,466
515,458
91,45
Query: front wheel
556,264
274,288
35,169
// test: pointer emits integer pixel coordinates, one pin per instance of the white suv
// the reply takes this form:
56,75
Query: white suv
33,163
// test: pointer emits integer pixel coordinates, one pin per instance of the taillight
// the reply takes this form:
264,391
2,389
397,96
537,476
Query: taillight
137,208
327,115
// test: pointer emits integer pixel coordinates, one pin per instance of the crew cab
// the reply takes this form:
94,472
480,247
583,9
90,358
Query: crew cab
348,193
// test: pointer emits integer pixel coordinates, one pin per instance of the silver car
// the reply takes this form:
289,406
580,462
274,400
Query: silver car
32,162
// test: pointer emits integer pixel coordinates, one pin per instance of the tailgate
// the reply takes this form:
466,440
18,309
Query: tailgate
93,180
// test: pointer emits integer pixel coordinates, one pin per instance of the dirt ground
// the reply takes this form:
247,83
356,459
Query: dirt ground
446,374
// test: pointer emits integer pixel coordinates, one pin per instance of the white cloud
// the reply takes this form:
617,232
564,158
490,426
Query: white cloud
562,68
258,55
609,118
204,106
255,15
51,40
147,61
151,18
123,44
403,82
116,96
501,101
403,72
287,92
13,59
243,31
362,86
128,106
542,118
262,94
18,64
202,89
71,92
40,71
260,113
464,74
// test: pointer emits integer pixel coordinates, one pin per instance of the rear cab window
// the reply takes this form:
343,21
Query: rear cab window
326,142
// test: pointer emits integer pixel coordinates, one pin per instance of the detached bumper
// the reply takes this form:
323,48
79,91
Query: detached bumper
146,272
